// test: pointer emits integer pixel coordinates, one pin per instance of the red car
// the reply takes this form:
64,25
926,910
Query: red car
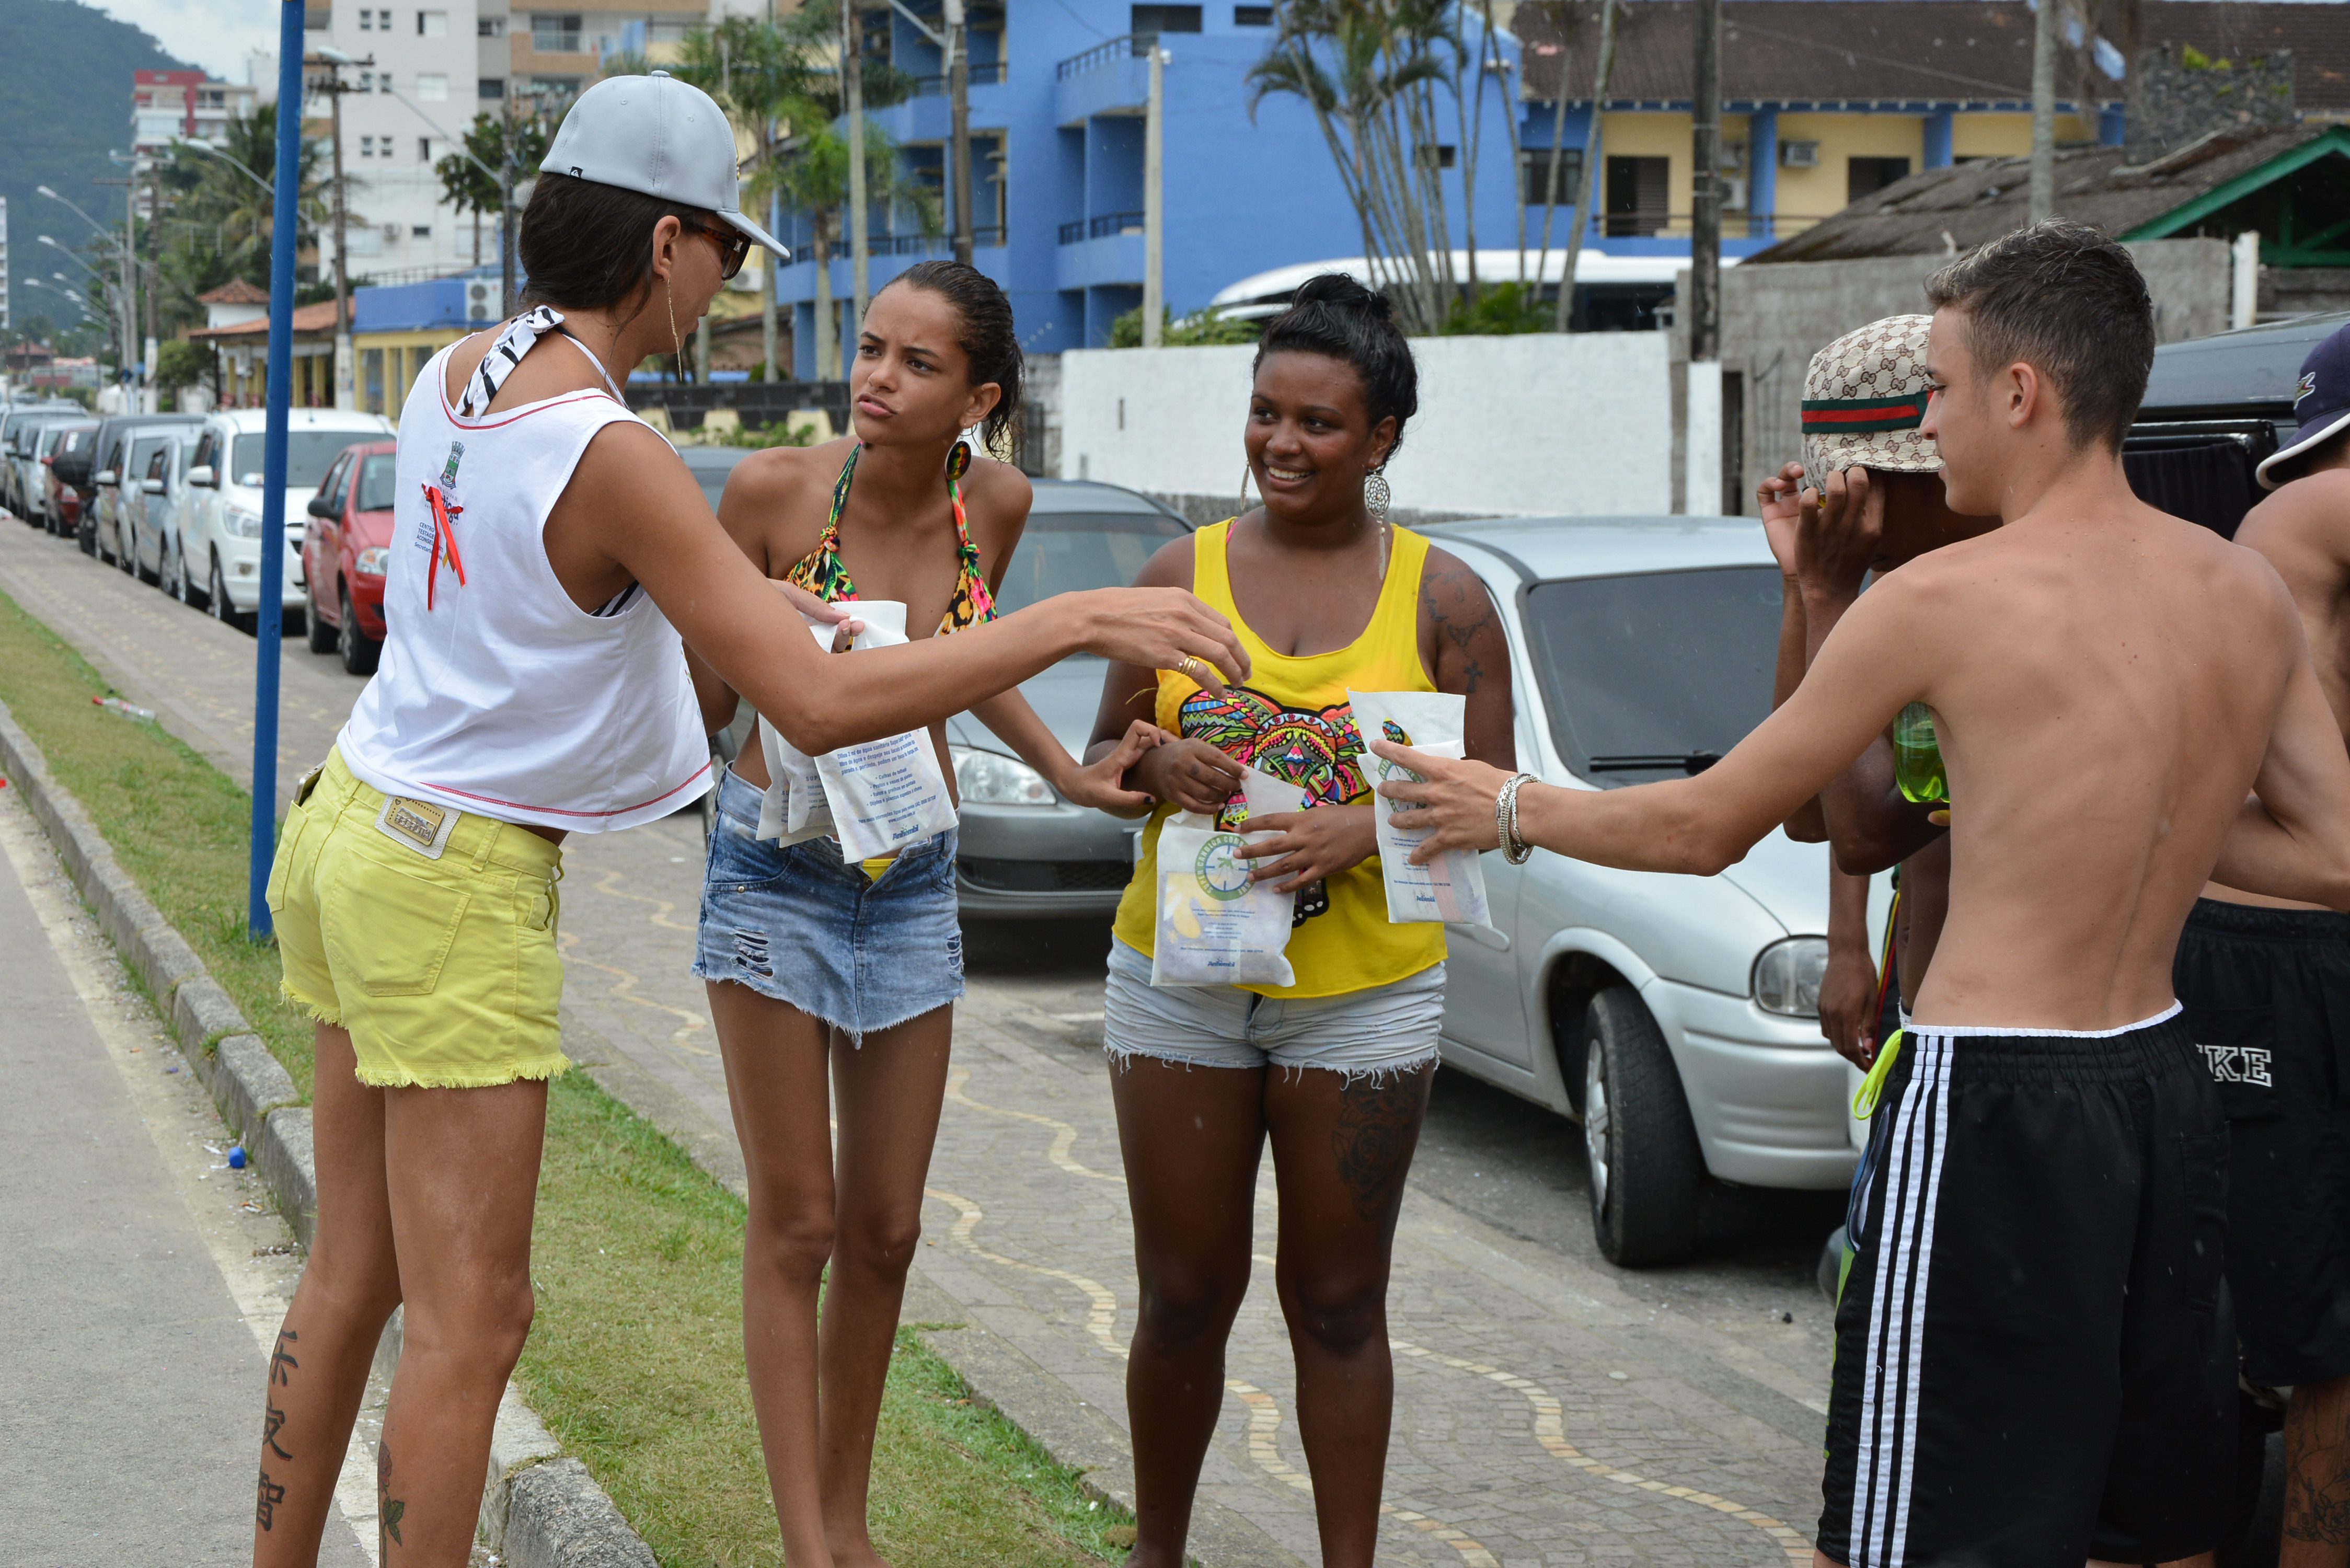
344,547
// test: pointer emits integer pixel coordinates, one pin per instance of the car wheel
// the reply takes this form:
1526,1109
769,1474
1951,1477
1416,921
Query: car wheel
216,600
359,650
1646,1167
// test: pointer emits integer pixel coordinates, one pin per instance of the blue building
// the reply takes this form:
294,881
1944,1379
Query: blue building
1824,101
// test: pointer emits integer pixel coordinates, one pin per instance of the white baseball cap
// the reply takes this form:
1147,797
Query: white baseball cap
660,136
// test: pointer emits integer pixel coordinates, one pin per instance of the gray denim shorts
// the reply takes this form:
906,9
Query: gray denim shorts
1387,1029
798,924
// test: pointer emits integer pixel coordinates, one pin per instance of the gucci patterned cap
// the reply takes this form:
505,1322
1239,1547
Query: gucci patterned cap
1863,399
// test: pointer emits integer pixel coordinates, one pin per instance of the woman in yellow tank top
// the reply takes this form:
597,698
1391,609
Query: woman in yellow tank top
1334,1069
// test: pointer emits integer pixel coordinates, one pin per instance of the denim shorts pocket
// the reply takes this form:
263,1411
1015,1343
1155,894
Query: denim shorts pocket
739,861
407,925
2203,1214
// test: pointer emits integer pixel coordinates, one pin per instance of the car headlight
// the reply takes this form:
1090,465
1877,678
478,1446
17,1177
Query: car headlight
1787,976
370,561
991,778
240,524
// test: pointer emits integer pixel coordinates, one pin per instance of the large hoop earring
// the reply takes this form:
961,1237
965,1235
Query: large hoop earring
1376,496
1246,472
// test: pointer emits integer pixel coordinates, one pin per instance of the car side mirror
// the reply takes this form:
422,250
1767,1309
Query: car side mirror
323,507
105,476
151,486
203,474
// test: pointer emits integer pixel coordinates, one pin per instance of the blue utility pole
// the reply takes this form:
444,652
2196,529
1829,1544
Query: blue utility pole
266,620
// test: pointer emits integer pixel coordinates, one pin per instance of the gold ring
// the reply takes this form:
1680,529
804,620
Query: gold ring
1190,665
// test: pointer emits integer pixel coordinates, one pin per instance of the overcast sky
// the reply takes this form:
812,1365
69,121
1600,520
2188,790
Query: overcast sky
213,34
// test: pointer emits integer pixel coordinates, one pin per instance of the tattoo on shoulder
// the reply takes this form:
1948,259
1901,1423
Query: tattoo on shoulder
1460,610
1378,1128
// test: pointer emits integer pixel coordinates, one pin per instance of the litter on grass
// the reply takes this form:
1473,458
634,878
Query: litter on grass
128,710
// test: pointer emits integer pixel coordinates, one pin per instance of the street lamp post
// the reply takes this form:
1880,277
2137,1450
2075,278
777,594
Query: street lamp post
208,148
129,323
335,88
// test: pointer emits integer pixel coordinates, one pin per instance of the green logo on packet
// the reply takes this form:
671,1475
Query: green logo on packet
1224,876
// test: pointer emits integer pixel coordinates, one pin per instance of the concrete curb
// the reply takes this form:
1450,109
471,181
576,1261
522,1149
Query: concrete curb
538,1510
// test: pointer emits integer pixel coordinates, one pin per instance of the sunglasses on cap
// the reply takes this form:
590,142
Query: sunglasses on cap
733,245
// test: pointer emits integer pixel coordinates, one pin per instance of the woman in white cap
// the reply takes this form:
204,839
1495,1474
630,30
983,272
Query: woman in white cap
550,552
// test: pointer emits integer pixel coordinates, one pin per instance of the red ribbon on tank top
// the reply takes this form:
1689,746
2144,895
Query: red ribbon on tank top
444,541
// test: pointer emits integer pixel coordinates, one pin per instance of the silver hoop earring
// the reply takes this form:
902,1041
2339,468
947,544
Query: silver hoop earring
1376,494
1245,484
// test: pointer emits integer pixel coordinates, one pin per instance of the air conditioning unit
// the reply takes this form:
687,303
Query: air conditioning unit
391,230
480,299
1733,192
1799,155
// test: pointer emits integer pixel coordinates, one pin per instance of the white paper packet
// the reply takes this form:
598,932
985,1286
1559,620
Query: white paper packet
1216,927
794,808
1450,888
889,793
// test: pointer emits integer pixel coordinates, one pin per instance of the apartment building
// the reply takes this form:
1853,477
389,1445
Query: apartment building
175,106
415,88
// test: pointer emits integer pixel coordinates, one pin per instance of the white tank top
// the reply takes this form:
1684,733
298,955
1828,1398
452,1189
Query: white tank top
496,694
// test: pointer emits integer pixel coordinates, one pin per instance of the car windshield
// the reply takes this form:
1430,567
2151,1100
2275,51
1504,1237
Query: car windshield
376,476
307,453
1654,675
1065,551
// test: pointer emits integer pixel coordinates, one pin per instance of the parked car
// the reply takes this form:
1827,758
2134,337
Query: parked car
37,440
1675,1017
1024,852
143,513
65,486
346,538
17,431
217,520
126,445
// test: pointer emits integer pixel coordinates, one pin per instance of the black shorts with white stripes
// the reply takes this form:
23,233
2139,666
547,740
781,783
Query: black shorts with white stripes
2035,1354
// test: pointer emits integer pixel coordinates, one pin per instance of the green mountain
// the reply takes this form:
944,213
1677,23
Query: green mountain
68,104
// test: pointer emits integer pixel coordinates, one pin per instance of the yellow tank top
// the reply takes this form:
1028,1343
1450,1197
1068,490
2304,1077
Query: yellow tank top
1292,721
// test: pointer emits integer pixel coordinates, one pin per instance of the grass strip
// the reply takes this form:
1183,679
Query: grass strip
634,1360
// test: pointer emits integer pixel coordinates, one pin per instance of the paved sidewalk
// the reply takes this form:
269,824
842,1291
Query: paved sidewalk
1550,1410
139,1277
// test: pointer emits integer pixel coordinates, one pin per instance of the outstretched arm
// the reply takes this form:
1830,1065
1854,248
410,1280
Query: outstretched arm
2291,839
1867,669
1780,498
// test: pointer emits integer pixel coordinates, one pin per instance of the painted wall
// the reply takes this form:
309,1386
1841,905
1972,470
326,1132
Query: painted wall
2010,135
1537,424
1808,195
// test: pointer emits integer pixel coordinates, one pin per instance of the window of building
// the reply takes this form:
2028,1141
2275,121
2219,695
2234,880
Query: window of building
419,230
490,86
424,149
431,87
1868,176
1438,157
367,81
667,29
367,21
1535,167
1639,196
432,23
1252,15
1149,21
383,21
491,27
366,146
554,33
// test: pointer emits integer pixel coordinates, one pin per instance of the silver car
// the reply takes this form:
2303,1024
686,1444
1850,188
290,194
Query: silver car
1675,1017
1024,852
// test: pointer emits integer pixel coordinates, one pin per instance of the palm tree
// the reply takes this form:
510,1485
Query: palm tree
810,175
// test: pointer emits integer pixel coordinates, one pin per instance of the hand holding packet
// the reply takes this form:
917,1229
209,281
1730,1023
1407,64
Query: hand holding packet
1215,926
794,808
884,794
1450,888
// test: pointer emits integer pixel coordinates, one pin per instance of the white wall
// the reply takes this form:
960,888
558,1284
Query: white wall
1531,425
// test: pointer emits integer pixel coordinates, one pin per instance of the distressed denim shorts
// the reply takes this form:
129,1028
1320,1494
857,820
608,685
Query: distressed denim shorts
1387,1029
798,924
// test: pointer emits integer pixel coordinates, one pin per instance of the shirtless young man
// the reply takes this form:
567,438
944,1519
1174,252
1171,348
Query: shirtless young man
2035,1363
2266,986
1877,503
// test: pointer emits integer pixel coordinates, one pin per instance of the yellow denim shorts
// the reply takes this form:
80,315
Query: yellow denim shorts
444,970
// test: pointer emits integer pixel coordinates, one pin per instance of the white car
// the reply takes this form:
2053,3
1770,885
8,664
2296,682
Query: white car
1675,1017
217,515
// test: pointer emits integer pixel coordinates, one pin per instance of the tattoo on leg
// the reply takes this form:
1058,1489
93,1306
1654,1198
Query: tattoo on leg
281,1361
387,1508
1378,1120
2316,1509
271,1425
271,1494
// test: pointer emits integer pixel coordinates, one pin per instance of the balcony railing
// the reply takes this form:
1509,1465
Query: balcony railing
927,244
986,73
1101,226
1133,46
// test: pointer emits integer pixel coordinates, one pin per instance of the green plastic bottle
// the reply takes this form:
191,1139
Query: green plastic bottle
1918,758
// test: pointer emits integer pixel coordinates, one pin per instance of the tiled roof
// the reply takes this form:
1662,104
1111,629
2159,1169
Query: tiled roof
1945,51
1955,209
318,318
235,291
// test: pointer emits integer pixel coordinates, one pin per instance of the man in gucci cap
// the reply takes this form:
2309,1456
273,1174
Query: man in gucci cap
2266,985
1876,488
